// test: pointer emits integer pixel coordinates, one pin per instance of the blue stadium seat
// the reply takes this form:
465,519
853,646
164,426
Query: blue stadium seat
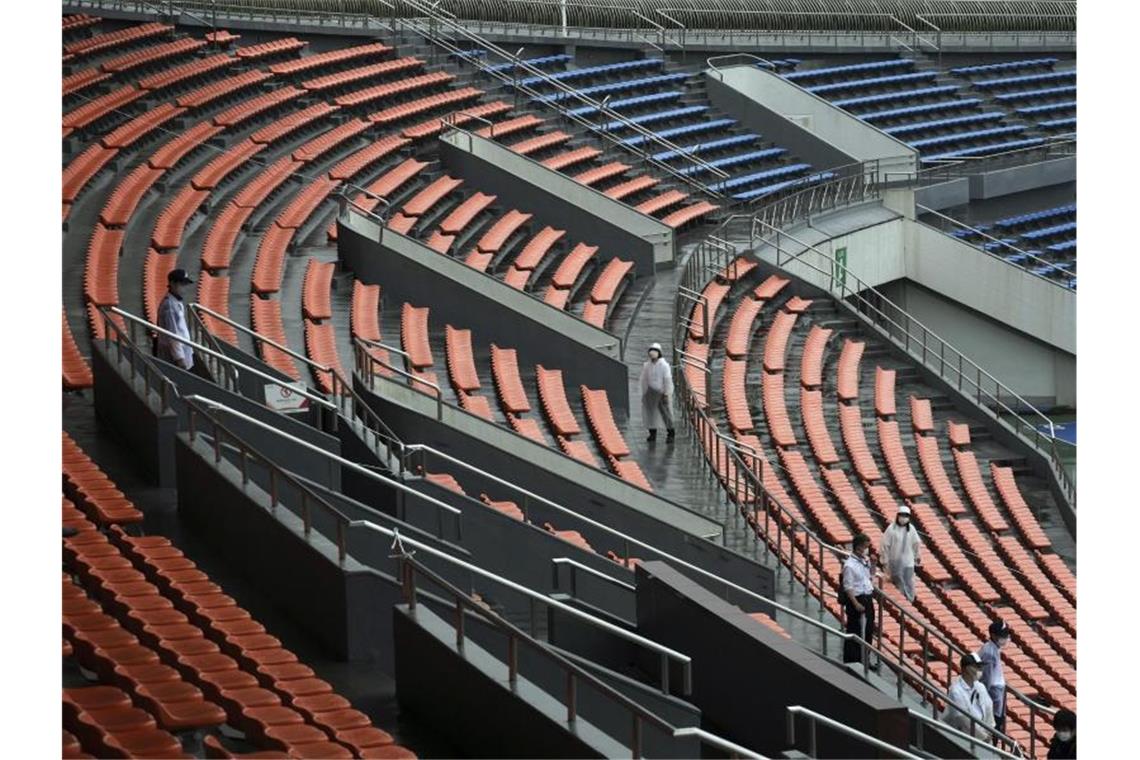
1052,76
923,126
639,100
963,136
887,97
535,62
854,68
1036,216
750,179
945,105
650,118
769,189
465,54
687,129
704,147
605,69
741,158
979,149
1069,89
1067,245
1047,107
858,84
987,68
1046,232
612,87
1058,123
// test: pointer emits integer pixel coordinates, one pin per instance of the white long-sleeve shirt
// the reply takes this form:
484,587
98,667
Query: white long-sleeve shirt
973,700
172,317
656,375
899,545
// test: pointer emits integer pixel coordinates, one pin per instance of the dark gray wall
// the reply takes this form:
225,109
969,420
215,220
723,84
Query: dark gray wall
132,417
345,609
745,675
774,127
560,212
473,710
714,558
403,280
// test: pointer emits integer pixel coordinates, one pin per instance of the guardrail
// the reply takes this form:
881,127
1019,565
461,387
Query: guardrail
814,718
946,224
411,569
125,342
954,168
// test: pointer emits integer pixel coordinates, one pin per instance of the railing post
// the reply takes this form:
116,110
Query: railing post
571,698
459,623
272,490
513,661
635,743
306,518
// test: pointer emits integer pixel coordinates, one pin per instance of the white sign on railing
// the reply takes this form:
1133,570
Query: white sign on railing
286,397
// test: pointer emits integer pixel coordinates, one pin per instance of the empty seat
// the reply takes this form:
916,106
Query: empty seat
508,382
461,360
552,395
316,290
600,417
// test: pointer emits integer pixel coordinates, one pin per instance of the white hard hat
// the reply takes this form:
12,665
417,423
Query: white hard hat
656,347
904,509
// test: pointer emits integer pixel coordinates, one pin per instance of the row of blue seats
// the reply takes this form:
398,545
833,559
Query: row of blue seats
1071,121
612,87
785,63
893,63
982,149
987,68
638,100
975,118
944,105
958,137
859,84
778,186
751,179
705,147
1067,245
687,129
740,158
1068,89
1052,231
605,69
651,118
1052,76
1061,267
545,60
1047,107
1036,216
892,96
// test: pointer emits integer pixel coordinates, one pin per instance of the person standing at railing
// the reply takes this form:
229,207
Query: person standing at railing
899,552
172,318
657,394
857,592
969,695
992,674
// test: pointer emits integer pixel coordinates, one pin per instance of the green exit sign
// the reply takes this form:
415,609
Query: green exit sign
839,268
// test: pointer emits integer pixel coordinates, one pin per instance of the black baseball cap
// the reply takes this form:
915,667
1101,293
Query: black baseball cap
970,660
999,629
178,275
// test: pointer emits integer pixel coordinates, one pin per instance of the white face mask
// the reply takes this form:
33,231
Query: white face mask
904,521
654,356
1064,736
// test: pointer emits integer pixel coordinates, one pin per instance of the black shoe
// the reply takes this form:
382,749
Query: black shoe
69,531
671,435
652,436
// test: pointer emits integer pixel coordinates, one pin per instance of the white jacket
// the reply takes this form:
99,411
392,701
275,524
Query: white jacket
899,546
975,701
656,376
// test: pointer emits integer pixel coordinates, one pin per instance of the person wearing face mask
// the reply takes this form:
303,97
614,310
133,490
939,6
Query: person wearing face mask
898,552
856,592
1063,745
992,675
172,317
969,695
657,394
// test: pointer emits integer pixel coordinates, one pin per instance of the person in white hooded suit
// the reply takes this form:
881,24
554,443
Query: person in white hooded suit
657,394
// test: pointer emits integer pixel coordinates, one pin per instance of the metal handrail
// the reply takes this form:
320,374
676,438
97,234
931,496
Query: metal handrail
371,474
974,231
576,566
734,56
217,355
362,355
974,741
574,672
841,279
430,12
952,168
817,718
165,387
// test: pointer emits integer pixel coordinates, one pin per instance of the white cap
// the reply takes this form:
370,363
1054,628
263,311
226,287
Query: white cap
904,509
657,347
